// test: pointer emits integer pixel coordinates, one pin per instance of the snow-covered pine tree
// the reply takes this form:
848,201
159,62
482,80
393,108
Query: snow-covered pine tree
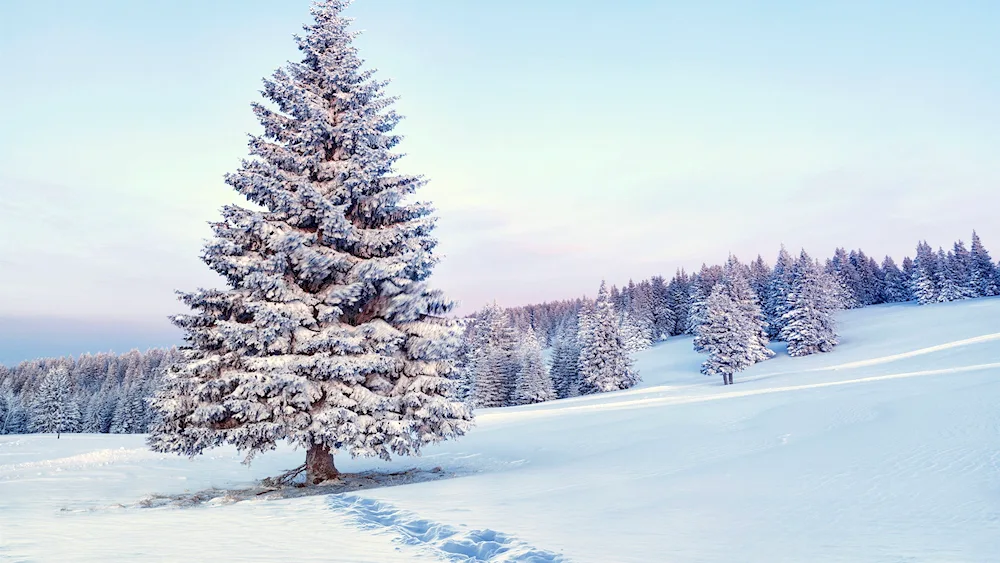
776,300
896,284
494,362
924,277
848,277
635,334
949,277
13,416
605,364
745,300
760,279
680,301
565,370
533,382
809,323
54,409
664,322
982,272
329,337
723,336
961,268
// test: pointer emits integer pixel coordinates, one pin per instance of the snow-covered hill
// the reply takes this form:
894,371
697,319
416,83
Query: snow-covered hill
887,449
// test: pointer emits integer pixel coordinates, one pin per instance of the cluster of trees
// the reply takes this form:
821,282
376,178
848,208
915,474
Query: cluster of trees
97,393
501,362
735,309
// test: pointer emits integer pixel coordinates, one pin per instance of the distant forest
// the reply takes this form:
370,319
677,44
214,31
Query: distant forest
501,361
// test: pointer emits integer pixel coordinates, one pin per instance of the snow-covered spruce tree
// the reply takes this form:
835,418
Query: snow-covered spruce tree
743,297
494,363
605,364
723,337
809,322
533,382
664,322
982,275
54,408
13,416
635,333
924,277
949,277
896,283
565,370
776,299
328,337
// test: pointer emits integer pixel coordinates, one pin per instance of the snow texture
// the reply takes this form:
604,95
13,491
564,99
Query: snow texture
884,449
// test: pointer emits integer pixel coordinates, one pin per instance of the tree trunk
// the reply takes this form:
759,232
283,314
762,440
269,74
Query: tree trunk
730,378
319,465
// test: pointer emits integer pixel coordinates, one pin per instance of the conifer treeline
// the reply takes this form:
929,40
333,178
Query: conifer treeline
795,299
98,393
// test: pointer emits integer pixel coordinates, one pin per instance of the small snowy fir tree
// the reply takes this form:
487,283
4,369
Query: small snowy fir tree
605,364
54,409
329,337
533,382
809,323
982,275
565,370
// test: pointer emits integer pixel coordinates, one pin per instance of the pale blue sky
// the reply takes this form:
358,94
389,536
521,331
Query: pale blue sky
566,141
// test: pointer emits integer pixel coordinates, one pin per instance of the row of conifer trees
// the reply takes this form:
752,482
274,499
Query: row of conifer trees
733,310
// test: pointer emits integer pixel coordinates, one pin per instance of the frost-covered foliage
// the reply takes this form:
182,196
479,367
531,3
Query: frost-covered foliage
924,280
605,363
636,334
983,275
53,408
328,335
723,337
533,382
897,286
731,331
776,299
809,325
565,370
104,388
494,363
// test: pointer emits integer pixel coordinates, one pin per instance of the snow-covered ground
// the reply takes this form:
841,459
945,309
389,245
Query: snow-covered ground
887,449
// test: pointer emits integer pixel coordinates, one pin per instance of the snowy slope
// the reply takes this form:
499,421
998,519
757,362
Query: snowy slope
887,449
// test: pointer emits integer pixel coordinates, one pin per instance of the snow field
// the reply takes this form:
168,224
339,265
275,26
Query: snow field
887,449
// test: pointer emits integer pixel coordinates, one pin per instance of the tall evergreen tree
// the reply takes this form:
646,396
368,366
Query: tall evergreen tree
895,282
565,370
605,364
55,410
664,321
949,277
747,305
924,277
982,272
776,299
329,337
533,382
809,322
494,363
724,337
